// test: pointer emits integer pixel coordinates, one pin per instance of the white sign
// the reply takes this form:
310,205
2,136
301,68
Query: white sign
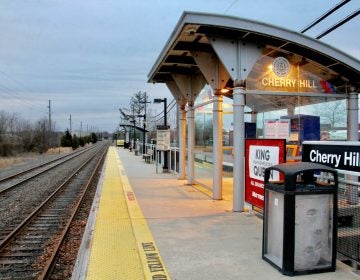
163,140
277,129
260,158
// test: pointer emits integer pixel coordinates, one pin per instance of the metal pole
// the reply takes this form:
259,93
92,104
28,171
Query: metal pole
175,159
165,166
217,148
165,111
182,142
50,134
353,117
352,135
191,144
169,153
144,126
239,147
133,119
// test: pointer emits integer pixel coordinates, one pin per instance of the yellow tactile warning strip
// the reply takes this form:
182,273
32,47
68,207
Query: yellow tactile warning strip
114,253
153,264
122,246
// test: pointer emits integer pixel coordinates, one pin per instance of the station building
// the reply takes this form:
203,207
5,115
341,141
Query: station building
234,78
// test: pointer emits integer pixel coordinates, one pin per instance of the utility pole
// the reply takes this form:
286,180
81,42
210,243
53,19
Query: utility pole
80,128
50,140
49,115
144,124
133,120
70,123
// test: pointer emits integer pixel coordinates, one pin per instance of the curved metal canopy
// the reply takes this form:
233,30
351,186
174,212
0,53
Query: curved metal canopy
194,31
131,126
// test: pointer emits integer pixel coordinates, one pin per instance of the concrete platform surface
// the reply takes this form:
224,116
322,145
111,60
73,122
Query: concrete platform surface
199,238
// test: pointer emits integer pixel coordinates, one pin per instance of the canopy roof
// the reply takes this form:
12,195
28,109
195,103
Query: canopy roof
194,31
131,126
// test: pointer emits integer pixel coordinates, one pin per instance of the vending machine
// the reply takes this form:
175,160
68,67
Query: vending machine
302,128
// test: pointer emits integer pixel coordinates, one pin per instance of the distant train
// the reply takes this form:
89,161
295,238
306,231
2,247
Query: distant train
120,142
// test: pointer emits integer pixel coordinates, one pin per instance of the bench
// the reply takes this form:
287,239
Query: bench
148,156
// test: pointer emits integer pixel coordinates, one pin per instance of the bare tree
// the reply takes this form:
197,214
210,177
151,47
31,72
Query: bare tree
25,135
334,112
137,102
136,108
3,124
20,135
41,133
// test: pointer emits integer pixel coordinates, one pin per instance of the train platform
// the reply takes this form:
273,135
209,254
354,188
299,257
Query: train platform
148,225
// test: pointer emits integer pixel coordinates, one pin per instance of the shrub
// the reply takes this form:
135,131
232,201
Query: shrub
75,142
81,142
66,140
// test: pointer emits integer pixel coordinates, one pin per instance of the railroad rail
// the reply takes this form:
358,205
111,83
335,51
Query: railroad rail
18,178
28,250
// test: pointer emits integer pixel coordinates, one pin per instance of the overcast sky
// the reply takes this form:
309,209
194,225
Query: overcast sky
89,56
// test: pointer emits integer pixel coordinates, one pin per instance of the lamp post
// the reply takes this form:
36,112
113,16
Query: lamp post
144,127
144,124
159,100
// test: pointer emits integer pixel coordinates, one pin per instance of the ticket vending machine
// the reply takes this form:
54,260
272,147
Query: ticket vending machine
292,152
302,128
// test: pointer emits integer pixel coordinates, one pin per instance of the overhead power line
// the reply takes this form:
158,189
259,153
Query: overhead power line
14,81
338,24
167,111
336,7
15,94
228,8
163,111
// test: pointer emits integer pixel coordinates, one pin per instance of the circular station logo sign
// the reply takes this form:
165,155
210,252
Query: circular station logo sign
281,66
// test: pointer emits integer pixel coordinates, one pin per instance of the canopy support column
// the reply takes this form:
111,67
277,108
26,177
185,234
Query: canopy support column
218,145
353,117
191,144
352,135
239,146
182,142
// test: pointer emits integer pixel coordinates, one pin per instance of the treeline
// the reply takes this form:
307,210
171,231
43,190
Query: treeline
19,135
74,141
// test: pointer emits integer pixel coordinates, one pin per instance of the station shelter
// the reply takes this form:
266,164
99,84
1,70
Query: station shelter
132,132
230,75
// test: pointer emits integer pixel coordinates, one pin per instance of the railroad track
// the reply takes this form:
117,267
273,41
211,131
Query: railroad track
28,250
13,180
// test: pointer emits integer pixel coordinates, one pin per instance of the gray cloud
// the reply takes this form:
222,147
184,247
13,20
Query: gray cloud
90,56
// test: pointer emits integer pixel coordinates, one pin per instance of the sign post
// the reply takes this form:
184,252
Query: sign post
163,140
163,143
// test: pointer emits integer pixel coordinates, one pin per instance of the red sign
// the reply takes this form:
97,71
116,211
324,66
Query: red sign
259,155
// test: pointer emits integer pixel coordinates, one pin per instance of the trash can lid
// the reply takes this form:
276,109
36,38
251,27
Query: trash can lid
292,168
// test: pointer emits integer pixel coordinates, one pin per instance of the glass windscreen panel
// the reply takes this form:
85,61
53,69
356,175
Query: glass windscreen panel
204,145
274,227
277,71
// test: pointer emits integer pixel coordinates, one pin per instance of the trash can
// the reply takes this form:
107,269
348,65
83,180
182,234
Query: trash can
300,218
